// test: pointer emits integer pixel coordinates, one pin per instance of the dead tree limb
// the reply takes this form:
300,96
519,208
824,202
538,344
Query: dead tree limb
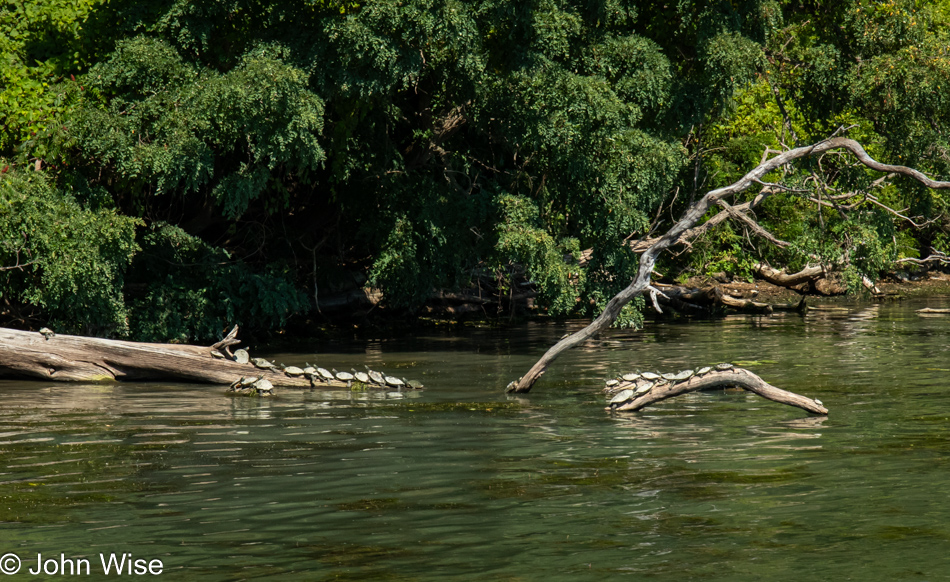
68,358
783,279
692,216
721,379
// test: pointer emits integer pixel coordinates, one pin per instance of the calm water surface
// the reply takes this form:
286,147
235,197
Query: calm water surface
460,482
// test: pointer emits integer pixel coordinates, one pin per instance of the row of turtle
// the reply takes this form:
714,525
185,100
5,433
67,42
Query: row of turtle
318,375
635,384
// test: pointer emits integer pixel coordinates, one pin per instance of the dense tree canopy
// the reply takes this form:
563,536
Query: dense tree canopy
228,162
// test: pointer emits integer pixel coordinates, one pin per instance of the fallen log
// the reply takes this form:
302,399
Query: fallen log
738,377
702,301
68,358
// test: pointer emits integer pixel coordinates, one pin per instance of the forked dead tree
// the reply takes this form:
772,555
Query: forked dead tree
685,230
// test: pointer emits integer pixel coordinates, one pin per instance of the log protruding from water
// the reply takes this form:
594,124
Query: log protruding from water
636,394
69,358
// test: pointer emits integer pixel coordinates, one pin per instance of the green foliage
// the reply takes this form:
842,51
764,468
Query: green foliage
71,258
267,147
550,264
39,44
194,290
160,123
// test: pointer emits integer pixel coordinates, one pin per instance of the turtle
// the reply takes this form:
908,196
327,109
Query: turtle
622,396
394,382
649,376
264,386
293,371
611,383
361,376
703,370
724,366
415,384
669,377
237,384
818,402
241,356
684,375
644,389
309,370
343,376
263,364
376,377
325,375
217,355
47,332
631,377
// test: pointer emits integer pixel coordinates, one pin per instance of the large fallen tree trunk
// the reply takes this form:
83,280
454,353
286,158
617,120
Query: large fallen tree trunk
734,377
68,358
642,282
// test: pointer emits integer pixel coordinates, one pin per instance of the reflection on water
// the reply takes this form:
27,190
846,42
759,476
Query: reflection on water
459,481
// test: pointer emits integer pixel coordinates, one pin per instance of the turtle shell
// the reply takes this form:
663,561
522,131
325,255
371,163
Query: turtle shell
631,377
217,355
612,383
670,377
376,377
293,371
344,376
650,375
309,370
684,375
703,370
362,377
724,366
622,396
325,374
262,363
263,385
241,356
644,389
395,382
415,384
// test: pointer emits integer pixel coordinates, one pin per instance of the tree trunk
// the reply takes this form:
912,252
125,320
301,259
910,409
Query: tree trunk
67,358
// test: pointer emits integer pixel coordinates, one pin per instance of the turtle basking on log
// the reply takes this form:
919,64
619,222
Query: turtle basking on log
644,389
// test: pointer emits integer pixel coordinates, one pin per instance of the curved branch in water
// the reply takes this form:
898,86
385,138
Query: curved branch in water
689,219
721,379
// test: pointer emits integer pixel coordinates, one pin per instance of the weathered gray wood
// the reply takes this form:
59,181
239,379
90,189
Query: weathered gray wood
722,378
68,358
643,281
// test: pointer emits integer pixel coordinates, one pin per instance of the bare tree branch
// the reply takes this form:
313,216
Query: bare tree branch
689,219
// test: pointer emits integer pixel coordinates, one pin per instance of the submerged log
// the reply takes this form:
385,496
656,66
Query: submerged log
68,358
739,377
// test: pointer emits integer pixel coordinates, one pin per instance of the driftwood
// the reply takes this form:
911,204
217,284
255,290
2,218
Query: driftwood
933,310
703,301
642,283
739,377
67,358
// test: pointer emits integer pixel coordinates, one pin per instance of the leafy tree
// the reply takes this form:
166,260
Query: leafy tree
66,258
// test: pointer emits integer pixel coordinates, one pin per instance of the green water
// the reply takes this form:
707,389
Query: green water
461,482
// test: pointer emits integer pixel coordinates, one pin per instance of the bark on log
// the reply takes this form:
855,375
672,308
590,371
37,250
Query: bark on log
648,259
67,358
722,378
783,279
